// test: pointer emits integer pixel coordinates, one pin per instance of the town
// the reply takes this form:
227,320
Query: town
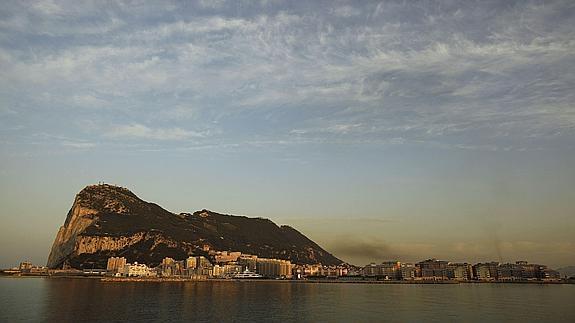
237,265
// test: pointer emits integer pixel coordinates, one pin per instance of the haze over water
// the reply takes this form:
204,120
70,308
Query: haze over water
89,300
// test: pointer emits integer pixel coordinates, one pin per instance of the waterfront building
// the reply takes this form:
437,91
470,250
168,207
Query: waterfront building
193,266
460,271
389,270
25,267
191,263
204,267
312,270
248,262
137,270
39,270
274,267
166,268
433,269
317,270
408,271
522,270
549,274
370,270
218,271
115,264
331,271
486,271
509,272
481,272
170,267
227,270
531,271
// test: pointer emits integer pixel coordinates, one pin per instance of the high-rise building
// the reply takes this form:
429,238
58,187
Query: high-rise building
191,263
274,267
116,264
227,270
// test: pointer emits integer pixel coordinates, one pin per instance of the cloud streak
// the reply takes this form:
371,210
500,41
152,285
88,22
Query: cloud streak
136,131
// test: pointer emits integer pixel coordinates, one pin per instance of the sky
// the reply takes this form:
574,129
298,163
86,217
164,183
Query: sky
394,130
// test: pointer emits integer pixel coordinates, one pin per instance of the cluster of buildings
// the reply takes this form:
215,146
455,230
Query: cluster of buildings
220,264
226,264
433,269
234,264
318,270
27,268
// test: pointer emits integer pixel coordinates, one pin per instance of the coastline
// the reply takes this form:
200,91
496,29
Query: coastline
287,281
324,281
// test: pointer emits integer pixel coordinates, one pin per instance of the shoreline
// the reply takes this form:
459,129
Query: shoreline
327,281
296,281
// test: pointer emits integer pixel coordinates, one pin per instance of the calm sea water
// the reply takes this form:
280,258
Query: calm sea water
85,300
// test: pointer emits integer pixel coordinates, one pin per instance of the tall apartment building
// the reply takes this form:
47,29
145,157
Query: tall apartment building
274,267
386,270
408,271
227,270
460,271
370,270
116,264
191,263
433,269
390,270
486,271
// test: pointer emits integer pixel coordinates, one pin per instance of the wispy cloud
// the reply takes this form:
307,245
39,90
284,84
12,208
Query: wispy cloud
458,74
78,145
139,131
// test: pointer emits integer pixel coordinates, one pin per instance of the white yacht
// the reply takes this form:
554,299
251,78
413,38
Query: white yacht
246,274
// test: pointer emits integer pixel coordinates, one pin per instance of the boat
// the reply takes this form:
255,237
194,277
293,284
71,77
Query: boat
246,274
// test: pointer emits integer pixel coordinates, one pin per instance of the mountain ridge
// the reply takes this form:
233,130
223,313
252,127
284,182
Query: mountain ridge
107,220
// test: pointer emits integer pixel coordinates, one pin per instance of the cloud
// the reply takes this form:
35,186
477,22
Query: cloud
47,7
212,4
425,73
139,131
336,129
346,11
78,145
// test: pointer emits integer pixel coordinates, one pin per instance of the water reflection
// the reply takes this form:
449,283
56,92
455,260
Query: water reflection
76,300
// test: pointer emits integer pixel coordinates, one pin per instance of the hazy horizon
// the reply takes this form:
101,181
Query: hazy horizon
386,130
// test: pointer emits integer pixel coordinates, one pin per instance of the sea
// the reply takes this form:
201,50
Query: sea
91,300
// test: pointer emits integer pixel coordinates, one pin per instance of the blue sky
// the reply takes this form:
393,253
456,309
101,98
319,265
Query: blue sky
394,129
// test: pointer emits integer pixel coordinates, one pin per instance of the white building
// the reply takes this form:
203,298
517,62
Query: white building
138,270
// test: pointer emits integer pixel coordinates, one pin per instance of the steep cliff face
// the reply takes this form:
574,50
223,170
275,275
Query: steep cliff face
107,221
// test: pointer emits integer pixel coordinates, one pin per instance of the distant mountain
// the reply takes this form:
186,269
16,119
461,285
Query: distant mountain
107,220
568,271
